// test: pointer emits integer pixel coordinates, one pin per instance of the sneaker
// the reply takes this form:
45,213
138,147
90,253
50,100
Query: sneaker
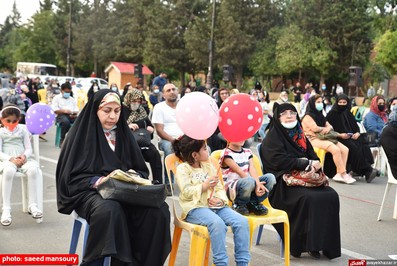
257,208
241,209
6,219
339,178
348,178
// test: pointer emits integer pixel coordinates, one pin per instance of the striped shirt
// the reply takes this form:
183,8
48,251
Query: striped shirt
241,158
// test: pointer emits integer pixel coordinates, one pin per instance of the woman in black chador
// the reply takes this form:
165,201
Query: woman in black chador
313,211
98,143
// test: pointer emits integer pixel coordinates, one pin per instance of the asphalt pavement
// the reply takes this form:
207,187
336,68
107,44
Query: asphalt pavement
363,237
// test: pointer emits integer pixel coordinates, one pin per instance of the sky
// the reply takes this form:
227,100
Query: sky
25,7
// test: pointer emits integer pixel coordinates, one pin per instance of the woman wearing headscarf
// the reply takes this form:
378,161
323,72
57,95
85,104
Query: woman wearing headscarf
313,211
314,123
391,105
343,122
98,143
388,140
136,118
376,118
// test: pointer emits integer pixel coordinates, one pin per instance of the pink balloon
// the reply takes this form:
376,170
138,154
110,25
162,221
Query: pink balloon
197,115
240,117
39,118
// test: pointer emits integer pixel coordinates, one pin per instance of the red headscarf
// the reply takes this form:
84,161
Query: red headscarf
374,108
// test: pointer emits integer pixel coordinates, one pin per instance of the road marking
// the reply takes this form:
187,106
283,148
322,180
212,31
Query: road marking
48,159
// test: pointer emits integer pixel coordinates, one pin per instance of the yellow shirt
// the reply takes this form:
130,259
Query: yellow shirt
190,182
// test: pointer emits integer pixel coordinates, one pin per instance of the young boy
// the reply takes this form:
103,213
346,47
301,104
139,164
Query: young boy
243,186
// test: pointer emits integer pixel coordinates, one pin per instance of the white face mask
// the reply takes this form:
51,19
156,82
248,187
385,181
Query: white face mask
393,108
319,106
290,124
134,106
156,91
95,87
284,99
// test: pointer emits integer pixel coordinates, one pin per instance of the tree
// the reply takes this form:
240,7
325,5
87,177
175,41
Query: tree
386,52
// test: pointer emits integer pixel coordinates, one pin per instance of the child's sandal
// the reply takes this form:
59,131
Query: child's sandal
35,212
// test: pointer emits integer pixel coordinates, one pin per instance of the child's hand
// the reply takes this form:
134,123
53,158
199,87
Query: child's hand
22,157
16,161
260,188
210,182
215,202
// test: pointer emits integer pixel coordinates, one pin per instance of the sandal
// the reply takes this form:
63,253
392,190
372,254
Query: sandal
35,212
6,219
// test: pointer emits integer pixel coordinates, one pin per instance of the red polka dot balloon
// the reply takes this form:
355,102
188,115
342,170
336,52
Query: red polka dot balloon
240,117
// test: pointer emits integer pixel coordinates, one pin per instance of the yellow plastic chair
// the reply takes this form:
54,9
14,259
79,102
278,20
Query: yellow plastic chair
199,236
274,216
320,154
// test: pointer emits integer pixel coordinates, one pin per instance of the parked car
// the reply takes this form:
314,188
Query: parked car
86,83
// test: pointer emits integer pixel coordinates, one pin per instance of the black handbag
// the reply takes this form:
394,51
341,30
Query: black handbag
130,193
142,136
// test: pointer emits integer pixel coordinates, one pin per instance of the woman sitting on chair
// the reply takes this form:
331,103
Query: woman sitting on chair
343,122
99,143
313,211
314,123
137,117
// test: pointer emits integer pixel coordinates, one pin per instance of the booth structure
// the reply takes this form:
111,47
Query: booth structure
122,73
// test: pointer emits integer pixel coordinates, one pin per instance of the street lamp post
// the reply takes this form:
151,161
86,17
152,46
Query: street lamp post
69,40
208,84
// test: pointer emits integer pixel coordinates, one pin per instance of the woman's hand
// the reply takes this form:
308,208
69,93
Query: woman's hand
344,136
150,129
133,126
325,130
356,136
260,188
16,161
316,165
215,202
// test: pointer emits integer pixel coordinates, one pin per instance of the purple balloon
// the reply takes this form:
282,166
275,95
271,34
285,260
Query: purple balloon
39,118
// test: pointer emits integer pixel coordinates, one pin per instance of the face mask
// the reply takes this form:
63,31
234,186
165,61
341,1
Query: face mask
66,95
156,91
381,108
284,99
290,124
324,87
114,88
95,87
134,106
342,107
9,126
319,106
393,108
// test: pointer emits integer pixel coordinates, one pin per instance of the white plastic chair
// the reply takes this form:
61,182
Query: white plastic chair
390,181
24,179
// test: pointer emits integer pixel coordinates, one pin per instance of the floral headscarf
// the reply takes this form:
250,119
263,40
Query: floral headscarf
138,114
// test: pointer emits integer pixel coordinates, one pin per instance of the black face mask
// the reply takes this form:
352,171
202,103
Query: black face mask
342,107
381,108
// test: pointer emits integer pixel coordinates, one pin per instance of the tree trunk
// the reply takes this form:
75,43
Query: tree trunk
182,78
239,77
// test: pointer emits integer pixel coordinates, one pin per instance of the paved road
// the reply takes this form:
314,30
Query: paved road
362,236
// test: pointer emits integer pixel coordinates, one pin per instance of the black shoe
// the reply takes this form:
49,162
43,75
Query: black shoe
370,175
315,254
257,208
296,255
241,209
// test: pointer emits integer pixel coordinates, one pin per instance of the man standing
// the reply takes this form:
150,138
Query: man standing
297,90
65,107
160,80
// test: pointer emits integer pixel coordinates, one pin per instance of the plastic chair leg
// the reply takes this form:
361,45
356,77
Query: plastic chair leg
258,238
286,244
198,246
58,136
395,208
175,244
75,236
388,186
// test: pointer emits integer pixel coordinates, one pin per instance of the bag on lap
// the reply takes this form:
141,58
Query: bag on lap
130,188
142,137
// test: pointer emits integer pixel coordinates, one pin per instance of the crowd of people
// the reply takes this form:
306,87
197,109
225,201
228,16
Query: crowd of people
106,122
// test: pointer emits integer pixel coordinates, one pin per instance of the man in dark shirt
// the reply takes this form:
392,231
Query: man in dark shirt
297,90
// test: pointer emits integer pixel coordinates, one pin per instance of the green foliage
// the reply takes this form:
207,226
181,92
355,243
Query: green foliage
386,51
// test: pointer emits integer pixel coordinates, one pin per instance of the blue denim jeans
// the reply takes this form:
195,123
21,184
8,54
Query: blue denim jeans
245,189
262,132
166,147
217,221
